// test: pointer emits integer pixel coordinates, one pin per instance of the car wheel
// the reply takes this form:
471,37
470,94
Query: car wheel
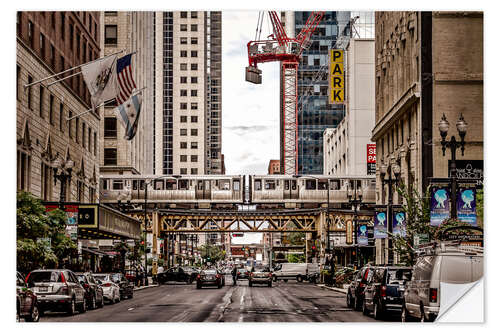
286,280
366,312
357,303
93,303
377,312
83,307
299,278
72,307
131,295
275,278
101,305
35,314
348,300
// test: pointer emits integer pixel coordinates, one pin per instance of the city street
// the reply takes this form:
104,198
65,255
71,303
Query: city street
284,302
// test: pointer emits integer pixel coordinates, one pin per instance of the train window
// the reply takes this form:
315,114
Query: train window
258,184
270,185
224,185
159,185
183,184
287,185
171,184
236,185
310,184
322,184
200,185
104,184
334,184
117,184
134,185
141,184
294,185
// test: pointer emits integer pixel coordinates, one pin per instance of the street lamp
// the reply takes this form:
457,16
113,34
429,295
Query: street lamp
62,172
396,170
355,200
453,144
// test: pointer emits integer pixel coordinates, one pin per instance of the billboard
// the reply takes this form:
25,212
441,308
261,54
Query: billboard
466,205
380,222
336,78
440,204
371,158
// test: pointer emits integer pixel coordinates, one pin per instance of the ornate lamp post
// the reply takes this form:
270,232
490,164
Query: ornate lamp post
453,144
355,200
396,170
62,172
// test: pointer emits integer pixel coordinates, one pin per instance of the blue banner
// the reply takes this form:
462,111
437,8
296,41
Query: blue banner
466,205
399,222
380,223
362,234
440,204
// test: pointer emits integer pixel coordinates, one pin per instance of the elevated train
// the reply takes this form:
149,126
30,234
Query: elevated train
225,191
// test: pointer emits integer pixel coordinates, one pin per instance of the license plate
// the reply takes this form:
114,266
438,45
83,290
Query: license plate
210,278
43,289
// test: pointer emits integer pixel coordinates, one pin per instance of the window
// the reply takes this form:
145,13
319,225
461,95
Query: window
23,170
183,158
183,132
194,54
194,132
91,194
79,191
183,106
83,134
89,136
194,158
19,23
258,184
194,171
183,171
184,14
95,143
236,185
194,14
52,56
40,104
310,184
31,32
194,106
117,185
69,125
46,181
71,36
184,27
184,40
194,119
194,79
194,93
183,119
110,13
194,27
77,127
110,157
111,34
184,53
184,67
184,79
42,46
110,130
194,40
194,145
270,185
184,145
184,92
63,26
51,109
194,67
18,80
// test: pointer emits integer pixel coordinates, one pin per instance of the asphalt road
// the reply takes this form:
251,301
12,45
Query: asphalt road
284,302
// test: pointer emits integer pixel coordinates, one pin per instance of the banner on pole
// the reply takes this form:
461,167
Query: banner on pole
380,223
466,205
398,222
440,204
362,234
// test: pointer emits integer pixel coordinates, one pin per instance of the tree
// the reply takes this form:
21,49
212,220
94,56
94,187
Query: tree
41,239
213,252
480,207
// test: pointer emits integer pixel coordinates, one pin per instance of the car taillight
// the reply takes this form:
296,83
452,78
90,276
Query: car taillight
27,277
251,274
217,276
270,274
198,276
383,291
85,285
433,295
238,273
62,278
107,284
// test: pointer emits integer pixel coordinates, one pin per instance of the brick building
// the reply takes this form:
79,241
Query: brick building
427,64
48,43
274,167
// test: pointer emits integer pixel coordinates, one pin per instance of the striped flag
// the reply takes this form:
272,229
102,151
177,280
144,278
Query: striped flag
128,113
126,82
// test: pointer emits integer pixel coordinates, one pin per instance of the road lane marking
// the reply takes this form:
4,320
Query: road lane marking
130,309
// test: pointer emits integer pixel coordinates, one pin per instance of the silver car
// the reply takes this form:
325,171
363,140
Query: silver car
260,275
57,289
111,290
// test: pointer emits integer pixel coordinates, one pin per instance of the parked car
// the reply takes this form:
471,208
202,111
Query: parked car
26,301
290,271
242,274
192,271
260,275
356,290
222,276
110,289
209,277
126,287
93,291
57,289
176,274
441,263
384,292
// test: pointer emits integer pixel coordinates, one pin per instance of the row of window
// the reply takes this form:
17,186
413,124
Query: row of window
184,53
184,27
194,145
194,119
184,79
194,40
193,14
194,132
183,158
194,106
184,66
194,93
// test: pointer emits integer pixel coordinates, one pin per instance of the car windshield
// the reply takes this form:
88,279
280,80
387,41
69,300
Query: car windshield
116,277
101,277
45,276
395,276
261,269
209,271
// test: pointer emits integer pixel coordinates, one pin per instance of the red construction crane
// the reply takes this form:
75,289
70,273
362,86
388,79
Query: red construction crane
287,50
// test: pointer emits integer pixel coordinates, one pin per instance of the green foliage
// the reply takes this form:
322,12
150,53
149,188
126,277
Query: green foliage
295,238
296,258
41,241
213,252
480,207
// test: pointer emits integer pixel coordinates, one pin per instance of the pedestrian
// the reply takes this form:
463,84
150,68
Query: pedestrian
233,273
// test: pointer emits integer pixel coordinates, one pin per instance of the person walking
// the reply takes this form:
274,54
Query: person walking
234,273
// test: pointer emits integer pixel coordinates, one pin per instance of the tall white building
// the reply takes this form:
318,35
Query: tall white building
345,147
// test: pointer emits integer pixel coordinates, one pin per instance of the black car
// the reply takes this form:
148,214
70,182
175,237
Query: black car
26,301
93,291
209,277
356,290
176,274
126,287
242,274
385,290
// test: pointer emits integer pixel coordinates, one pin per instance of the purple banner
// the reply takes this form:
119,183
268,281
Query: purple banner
399,222
466,205
440,204
362,234
380,223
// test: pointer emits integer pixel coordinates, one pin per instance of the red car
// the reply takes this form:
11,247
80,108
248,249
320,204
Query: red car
209,277
27,306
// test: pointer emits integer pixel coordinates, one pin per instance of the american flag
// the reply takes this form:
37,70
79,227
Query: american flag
126,82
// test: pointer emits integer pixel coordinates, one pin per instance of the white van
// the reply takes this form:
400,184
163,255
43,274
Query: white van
448,263
294,271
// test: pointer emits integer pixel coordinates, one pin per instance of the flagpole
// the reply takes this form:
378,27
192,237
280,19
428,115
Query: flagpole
72,68
64,78
91,109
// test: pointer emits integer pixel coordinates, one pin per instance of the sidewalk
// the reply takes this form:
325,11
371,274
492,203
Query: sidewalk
150,285
340,290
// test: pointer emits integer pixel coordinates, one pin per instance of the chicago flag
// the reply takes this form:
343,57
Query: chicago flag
128,114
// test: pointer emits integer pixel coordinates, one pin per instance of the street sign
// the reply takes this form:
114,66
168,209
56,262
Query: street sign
336,77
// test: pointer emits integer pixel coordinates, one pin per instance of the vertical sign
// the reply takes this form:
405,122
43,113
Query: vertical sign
362,234
336,77
348,232
466,205
380,223
371,158
398,222
440,204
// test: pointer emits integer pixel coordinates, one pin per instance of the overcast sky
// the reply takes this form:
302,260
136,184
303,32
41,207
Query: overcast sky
250,112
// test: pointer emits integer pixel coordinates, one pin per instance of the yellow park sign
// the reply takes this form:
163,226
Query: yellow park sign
336,78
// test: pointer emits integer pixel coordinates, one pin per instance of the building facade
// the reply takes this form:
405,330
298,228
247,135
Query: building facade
48,43
130,32
274,167
345,147
187,93
424,70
